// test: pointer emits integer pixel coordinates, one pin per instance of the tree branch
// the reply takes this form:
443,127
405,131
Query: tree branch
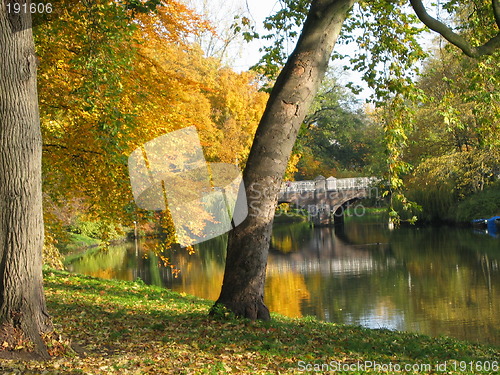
496,11
310,120
486,49
46,145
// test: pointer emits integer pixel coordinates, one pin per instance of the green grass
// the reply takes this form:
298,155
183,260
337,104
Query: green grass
369,214
132,328
290,216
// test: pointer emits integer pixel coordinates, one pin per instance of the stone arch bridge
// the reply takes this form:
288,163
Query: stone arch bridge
326,199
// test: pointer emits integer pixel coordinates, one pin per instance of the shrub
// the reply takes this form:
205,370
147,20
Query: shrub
483,204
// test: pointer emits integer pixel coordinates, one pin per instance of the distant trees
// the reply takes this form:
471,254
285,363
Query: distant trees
454,142
337,138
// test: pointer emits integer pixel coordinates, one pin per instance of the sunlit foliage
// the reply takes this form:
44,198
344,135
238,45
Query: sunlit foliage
112,78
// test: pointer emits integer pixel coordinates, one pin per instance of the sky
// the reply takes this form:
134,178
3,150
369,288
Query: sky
221,13
243,55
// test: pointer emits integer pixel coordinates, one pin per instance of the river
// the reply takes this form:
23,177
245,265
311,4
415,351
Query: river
431,280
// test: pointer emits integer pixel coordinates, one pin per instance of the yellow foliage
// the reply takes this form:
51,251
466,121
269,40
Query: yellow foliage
103,96
51,256
292,166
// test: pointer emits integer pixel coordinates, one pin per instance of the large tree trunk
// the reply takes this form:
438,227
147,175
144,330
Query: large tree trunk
22,301
243,285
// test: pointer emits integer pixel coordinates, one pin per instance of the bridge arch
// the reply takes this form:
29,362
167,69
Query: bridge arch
326,200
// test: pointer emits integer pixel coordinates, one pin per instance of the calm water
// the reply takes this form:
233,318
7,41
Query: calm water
437,281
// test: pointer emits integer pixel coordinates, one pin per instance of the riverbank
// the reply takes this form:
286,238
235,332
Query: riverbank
442,206
131,328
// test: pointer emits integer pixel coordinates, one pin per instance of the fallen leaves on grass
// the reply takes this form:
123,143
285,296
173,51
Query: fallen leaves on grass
130,328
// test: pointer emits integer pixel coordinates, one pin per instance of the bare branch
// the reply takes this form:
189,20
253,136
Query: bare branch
486,49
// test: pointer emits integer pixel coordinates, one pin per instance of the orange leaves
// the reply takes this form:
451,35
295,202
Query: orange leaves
173,22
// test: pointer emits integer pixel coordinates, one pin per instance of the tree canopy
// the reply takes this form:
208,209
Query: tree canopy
118,78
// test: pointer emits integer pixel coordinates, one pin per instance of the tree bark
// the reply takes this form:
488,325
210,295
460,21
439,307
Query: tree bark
22,301
243,285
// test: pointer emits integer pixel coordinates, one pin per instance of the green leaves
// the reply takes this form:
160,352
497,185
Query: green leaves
141,6
387,35
336,137
283,27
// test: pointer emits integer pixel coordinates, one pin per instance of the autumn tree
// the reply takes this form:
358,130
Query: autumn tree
90,98
23,312
454,142
243,284
116,80
22,302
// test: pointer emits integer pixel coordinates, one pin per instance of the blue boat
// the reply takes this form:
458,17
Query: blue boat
482,223
492,225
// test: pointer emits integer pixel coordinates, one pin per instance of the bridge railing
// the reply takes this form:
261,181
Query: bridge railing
298,186
350,183
329,184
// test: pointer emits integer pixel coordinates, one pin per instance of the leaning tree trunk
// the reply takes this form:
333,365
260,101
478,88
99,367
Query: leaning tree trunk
22,301
243,285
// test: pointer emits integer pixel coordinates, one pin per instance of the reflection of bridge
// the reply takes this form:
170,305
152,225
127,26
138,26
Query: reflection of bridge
326,199
329,251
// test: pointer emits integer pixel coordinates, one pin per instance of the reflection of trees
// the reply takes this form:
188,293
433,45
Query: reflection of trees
429,280
352,298
363,233
336,273
213,253
453,283
202,272
106,263
288,238
284,293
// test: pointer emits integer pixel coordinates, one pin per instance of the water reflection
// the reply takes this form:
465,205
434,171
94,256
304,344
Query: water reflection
430,280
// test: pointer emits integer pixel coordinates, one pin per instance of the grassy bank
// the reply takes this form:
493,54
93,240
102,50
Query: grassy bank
131,328
287,216
87,234
77,242
483,204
